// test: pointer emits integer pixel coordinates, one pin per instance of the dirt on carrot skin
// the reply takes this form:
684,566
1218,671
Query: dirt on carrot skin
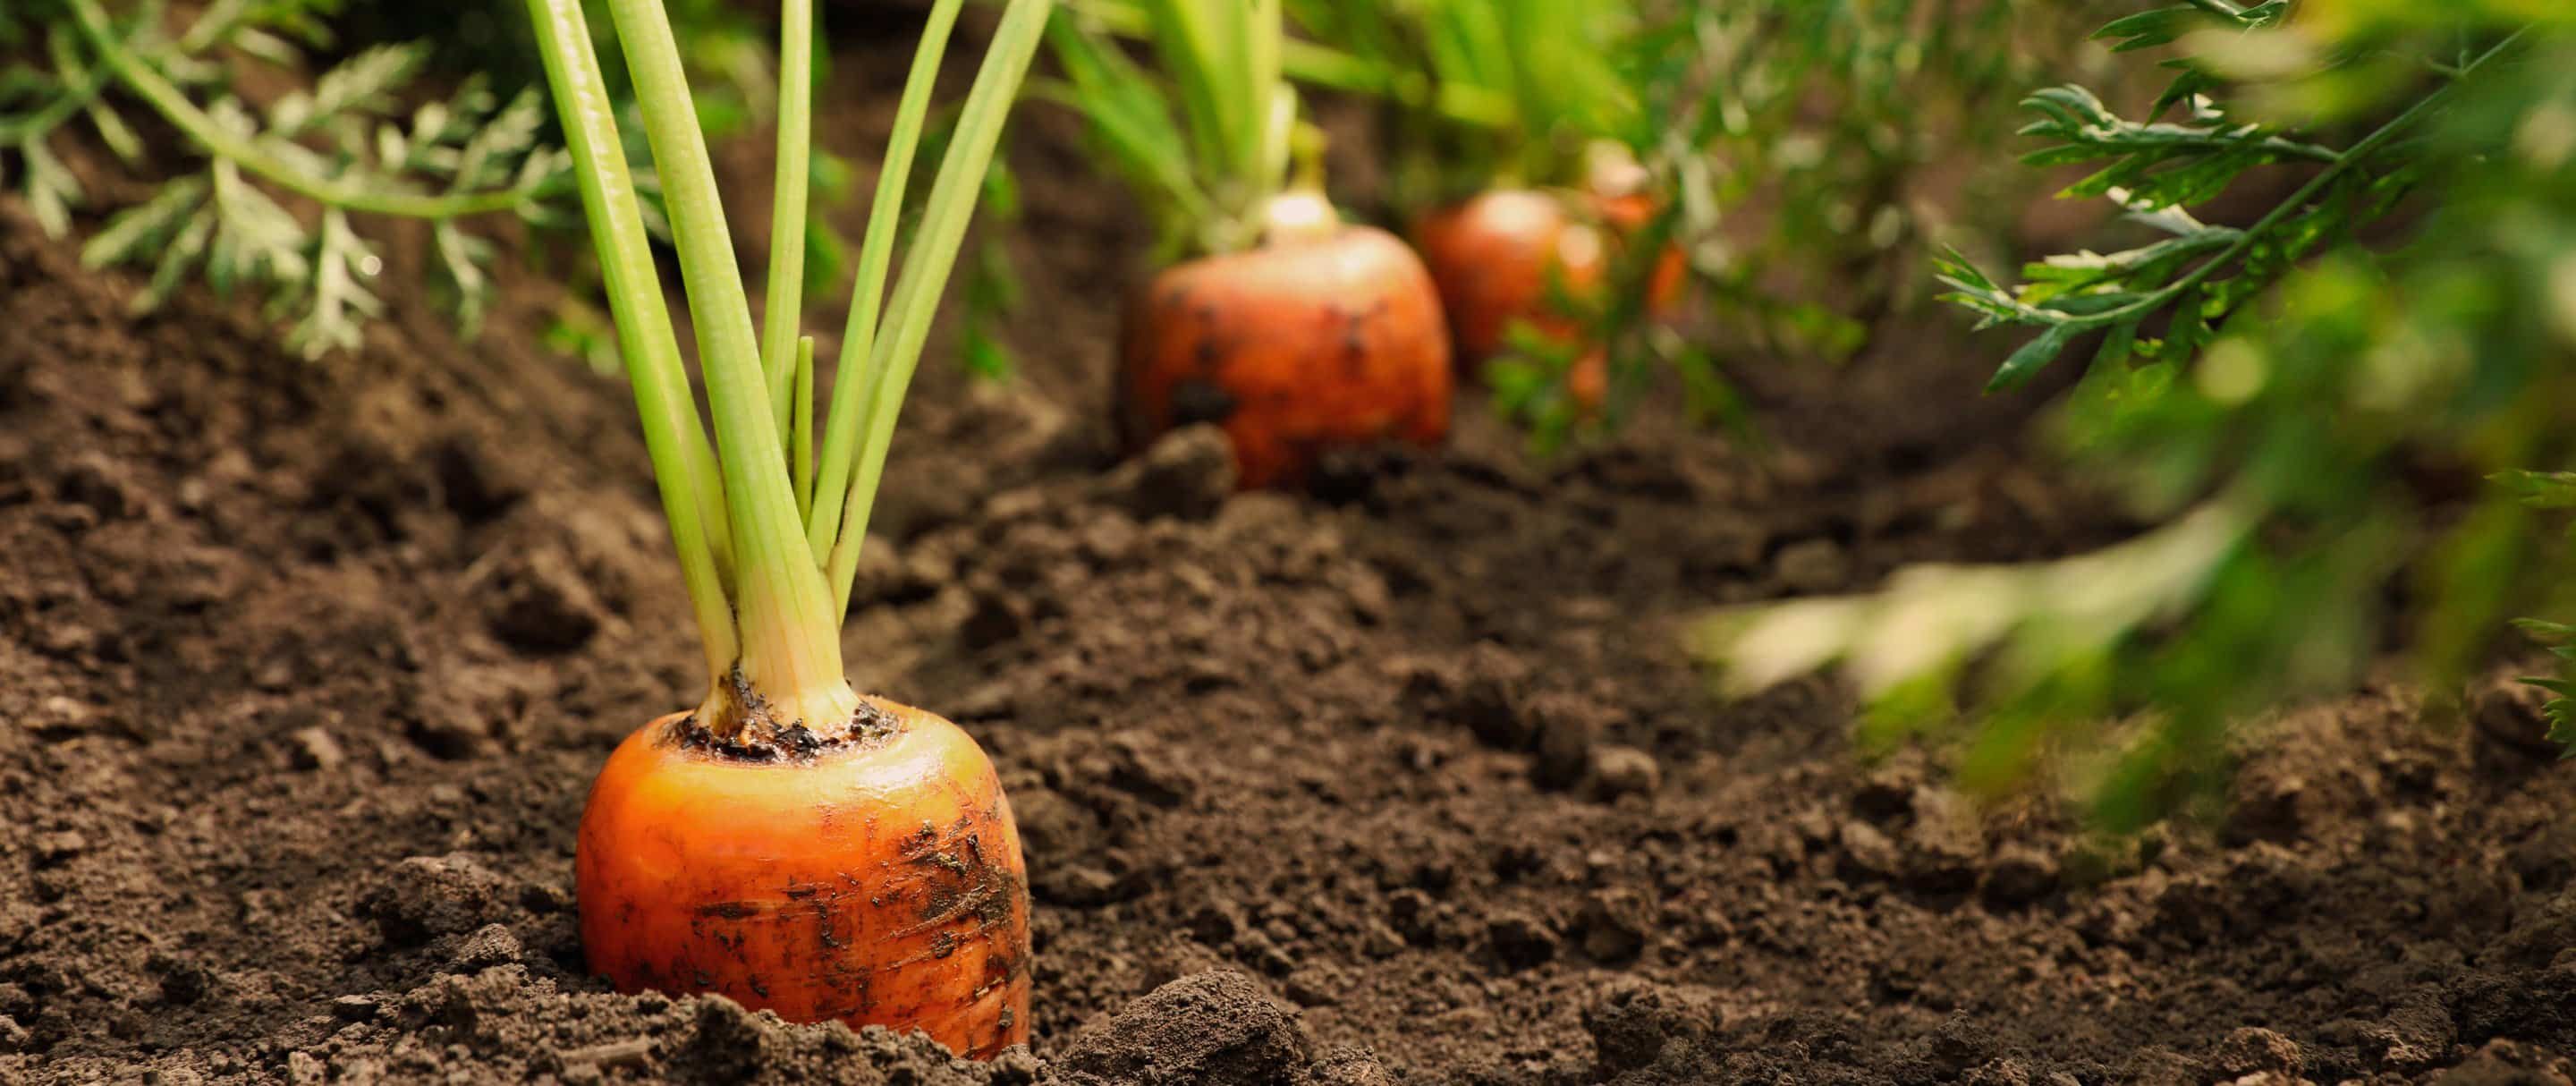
305,669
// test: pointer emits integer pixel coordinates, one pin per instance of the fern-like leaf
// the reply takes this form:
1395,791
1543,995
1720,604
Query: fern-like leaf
346,148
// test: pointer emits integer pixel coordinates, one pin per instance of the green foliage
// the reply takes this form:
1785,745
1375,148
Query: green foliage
344,145
2197,274
1518,90
731,55
2560,709
1782,139
1841,126
992,288
1203,138
1532,379
1784,142
1488,94
2321,407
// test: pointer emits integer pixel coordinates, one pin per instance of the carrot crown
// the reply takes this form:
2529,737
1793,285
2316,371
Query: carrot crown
1206,148
766,519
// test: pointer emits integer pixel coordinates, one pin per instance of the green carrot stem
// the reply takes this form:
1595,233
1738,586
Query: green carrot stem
1194,51
800,444
785,300
927,264
867,290
1324,66
673,435
790,635
1270,108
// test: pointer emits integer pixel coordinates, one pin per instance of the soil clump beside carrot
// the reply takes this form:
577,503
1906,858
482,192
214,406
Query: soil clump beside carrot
295,789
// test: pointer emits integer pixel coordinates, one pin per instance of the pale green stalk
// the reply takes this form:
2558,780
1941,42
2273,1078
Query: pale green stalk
673,436
867,291
800,442
1324,66
1200,41
776,654
790,633
785,299
1263,157
1226,57
927,264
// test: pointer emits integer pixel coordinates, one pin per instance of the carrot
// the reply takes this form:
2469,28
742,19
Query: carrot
871,881
1492,256
1292,332
1510,155
789,843
1499,256
1301,345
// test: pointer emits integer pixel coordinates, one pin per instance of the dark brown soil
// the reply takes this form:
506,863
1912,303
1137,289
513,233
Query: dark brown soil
304,670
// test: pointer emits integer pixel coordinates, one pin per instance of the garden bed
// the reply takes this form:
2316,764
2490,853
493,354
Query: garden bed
1404,777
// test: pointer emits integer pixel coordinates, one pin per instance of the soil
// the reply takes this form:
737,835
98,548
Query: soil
1404,777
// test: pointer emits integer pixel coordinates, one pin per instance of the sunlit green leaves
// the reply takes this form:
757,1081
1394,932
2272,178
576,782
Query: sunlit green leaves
461,258
1204,138
2337,403
2148,29
1818,113
342,263
2560,709
247,218
2156,170
1132,122
364,83
2541,489
2027,645
1520,88
2026,361
2154,164
51,190
169,231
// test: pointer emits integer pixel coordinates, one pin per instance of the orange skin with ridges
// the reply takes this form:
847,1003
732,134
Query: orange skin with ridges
1291,349
1493,256
879,883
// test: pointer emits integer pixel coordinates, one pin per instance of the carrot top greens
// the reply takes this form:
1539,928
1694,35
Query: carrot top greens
1210,148
2302,402
766,522
342,147
1519,90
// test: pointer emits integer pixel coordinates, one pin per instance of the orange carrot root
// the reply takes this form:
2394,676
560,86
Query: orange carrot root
877,881
1292,348
1494,257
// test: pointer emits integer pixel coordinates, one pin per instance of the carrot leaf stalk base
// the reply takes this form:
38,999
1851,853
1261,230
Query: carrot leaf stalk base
768,562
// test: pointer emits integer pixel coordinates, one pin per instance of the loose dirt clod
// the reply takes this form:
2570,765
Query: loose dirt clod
1624,771
1215,1028
2253,1050
428,896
